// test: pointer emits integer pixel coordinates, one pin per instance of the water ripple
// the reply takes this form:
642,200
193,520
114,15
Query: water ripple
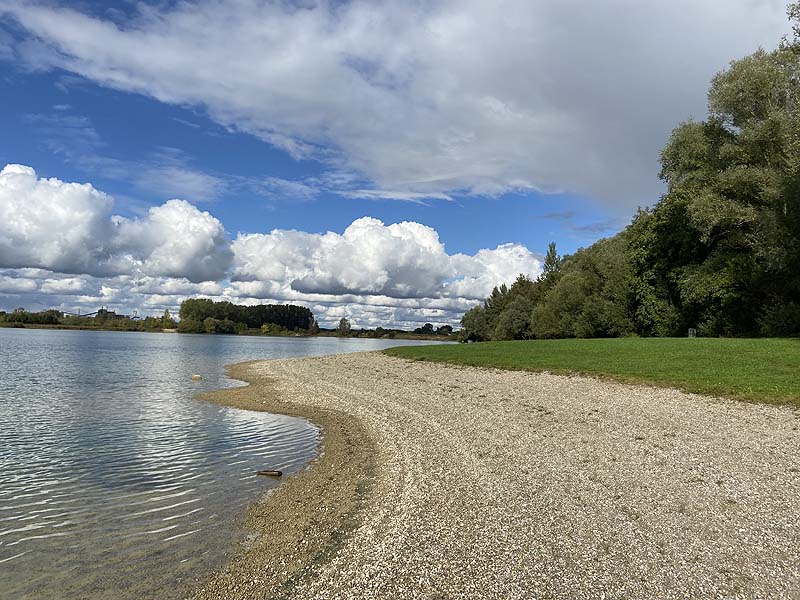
114,481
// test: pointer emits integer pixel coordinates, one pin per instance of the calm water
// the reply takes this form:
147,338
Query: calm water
114,481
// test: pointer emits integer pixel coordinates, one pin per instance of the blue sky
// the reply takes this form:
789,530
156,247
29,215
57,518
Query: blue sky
498,135
54,122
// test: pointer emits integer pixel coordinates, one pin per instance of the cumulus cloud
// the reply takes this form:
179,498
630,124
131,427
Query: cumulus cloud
39,289
51,224
176,240
17,285
401,260
430,97
169,286
68,286
61,246
69,228
480,273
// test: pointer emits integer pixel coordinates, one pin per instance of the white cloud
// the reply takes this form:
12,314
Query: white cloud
69,228
68,286
480,273
177,180
61,246
167,286
416,197
275,187
50,224
402,260
16,285
429,97
176,240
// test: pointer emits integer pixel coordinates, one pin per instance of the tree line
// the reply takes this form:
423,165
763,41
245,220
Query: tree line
345,329
102,319
199,315
720,250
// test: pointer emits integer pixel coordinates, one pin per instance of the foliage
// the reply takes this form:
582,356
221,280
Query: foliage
273,329
720,249
167,322
343,328
591,296
102,319
719,252
583,295
289,316
22,316
762,370
191,326
427,329
212,325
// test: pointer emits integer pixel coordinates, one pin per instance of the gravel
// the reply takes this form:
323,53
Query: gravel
459,482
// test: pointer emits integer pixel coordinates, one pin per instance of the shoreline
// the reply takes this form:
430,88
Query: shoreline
408,336
299,526
440,482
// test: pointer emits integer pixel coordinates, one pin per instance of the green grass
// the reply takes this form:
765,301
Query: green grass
760,370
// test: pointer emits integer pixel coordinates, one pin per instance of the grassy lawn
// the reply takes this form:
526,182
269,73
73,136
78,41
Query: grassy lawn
761,370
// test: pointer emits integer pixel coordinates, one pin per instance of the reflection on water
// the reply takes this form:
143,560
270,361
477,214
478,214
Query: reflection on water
114,482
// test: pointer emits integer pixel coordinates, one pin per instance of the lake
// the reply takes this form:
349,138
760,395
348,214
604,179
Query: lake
114,481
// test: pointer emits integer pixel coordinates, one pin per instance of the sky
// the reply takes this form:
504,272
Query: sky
388,162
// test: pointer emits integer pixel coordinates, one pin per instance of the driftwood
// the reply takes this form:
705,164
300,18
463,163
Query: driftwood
270,473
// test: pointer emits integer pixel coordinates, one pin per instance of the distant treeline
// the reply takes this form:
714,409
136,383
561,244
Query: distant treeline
200,315
103,319
426,332
719,252
206,316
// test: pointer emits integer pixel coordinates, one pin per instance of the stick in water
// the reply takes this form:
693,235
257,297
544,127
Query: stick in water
270,473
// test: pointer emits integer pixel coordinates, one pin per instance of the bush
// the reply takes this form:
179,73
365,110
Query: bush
273,329
780,320
212,325
190,326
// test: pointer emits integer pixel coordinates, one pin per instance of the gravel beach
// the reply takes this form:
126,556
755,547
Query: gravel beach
442,482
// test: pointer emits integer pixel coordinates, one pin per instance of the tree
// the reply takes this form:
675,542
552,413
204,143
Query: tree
721,250
167,322
475,326
211,325
272,329
514,322
343,329
190,326
591,296
289,316
552,262
426,329
313,328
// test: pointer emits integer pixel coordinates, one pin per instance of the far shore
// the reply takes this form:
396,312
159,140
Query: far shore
439,481
356,335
